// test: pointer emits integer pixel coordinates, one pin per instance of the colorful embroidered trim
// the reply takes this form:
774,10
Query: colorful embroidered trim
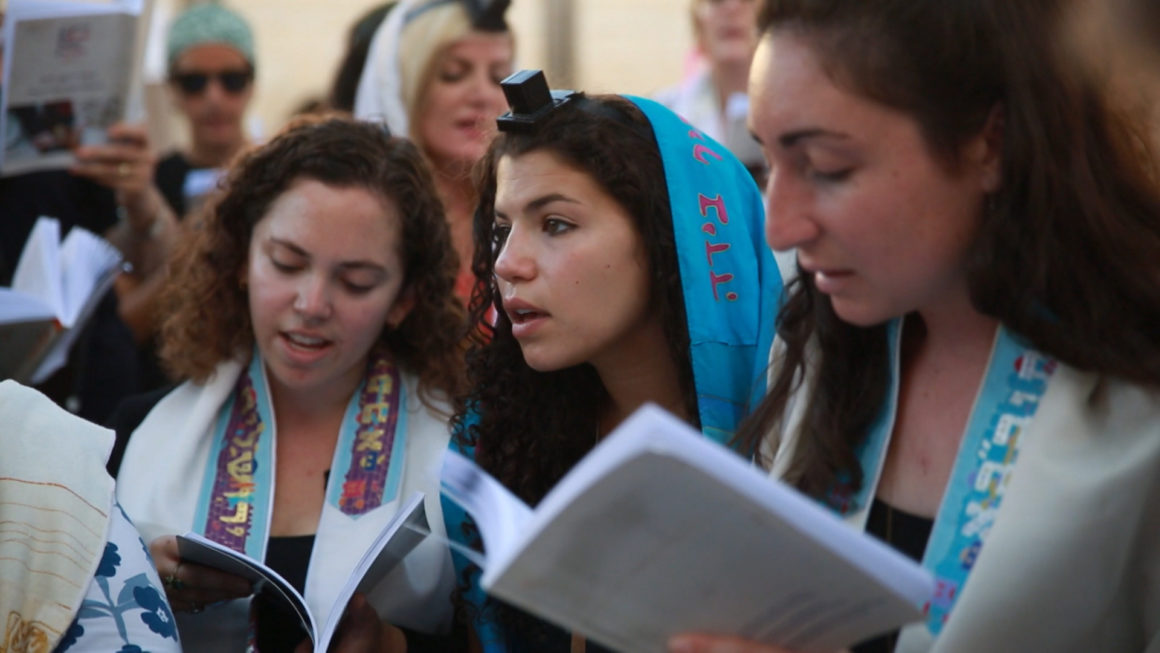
365,485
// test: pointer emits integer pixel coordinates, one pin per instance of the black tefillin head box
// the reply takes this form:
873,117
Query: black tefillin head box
530,99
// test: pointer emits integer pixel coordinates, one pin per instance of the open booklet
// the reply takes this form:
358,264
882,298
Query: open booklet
659,531
402,534
71,70
55,288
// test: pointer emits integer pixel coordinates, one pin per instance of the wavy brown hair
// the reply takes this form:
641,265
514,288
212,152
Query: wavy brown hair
206,309
1067,253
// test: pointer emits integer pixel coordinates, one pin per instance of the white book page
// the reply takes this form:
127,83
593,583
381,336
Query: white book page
660,531
87,260
38,270
402,534
58,355
16,306
66,78
89,265
500,515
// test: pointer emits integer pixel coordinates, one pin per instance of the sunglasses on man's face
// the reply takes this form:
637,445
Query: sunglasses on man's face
232,81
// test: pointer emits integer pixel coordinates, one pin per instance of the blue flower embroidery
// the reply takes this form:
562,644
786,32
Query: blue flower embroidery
130,648
156,613
75,631
109,562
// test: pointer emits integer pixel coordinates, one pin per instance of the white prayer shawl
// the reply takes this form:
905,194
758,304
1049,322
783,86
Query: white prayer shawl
1072,562
55,503
162,472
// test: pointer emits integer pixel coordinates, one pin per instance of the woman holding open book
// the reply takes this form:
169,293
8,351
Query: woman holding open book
313,318
968,363
624,250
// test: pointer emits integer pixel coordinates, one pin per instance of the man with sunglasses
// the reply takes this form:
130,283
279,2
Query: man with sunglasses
211,74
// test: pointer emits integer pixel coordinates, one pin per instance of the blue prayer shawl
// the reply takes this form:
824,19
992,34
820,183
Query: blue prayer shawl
731,289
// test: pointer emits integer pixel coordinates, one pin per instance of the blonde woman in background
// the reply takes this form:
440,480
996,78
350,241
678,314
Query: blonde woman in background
433,75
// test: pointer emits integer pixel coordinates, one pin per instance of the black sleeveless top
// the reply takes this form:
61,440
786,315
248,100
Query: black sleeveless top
905,533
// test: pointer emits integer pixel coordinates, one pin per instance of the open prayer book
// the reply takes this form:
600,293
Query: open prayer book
660,531
55,288
72,69
402,534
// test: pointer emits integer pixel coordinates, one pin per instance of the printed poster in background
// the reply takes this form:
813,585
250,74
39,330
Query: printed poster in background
68,79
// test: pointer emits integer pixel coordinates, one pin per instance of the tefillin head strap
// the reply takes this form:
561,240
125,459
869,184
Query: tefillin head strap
531,101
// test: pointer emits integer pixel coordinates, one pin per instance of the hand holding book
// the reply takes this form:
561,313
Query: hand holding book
190,586
659,531
398,537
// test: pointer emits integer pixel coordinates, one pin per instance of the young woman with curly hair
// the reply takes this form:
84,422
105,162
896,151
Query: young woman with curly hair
313,319
624,250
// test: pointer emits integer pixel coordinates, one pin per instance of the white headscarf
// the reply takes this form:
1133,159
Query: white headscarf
379,96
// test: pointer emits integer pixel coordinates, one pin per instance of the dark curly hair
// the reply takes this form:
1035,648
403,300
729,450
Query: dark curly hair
1066,254
532,427
206,310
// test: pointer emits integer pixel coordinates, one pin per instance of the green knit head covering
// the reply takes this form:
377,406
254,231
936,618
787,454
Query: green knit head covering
210,23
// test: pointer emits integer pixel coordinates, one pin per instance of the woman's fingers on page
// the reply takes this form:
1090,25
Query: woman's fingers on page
191,587
693,643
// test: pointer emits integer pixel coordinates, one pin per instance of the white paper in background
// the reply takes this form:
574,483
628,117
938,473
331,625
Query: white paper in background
18,307
38,270
64,279
89,265
86,260
68,70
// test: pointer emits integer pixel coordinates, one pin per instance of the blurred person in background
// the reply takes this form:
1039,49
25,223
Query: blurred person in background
713,98
210,52
105,193
433,74
211,70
